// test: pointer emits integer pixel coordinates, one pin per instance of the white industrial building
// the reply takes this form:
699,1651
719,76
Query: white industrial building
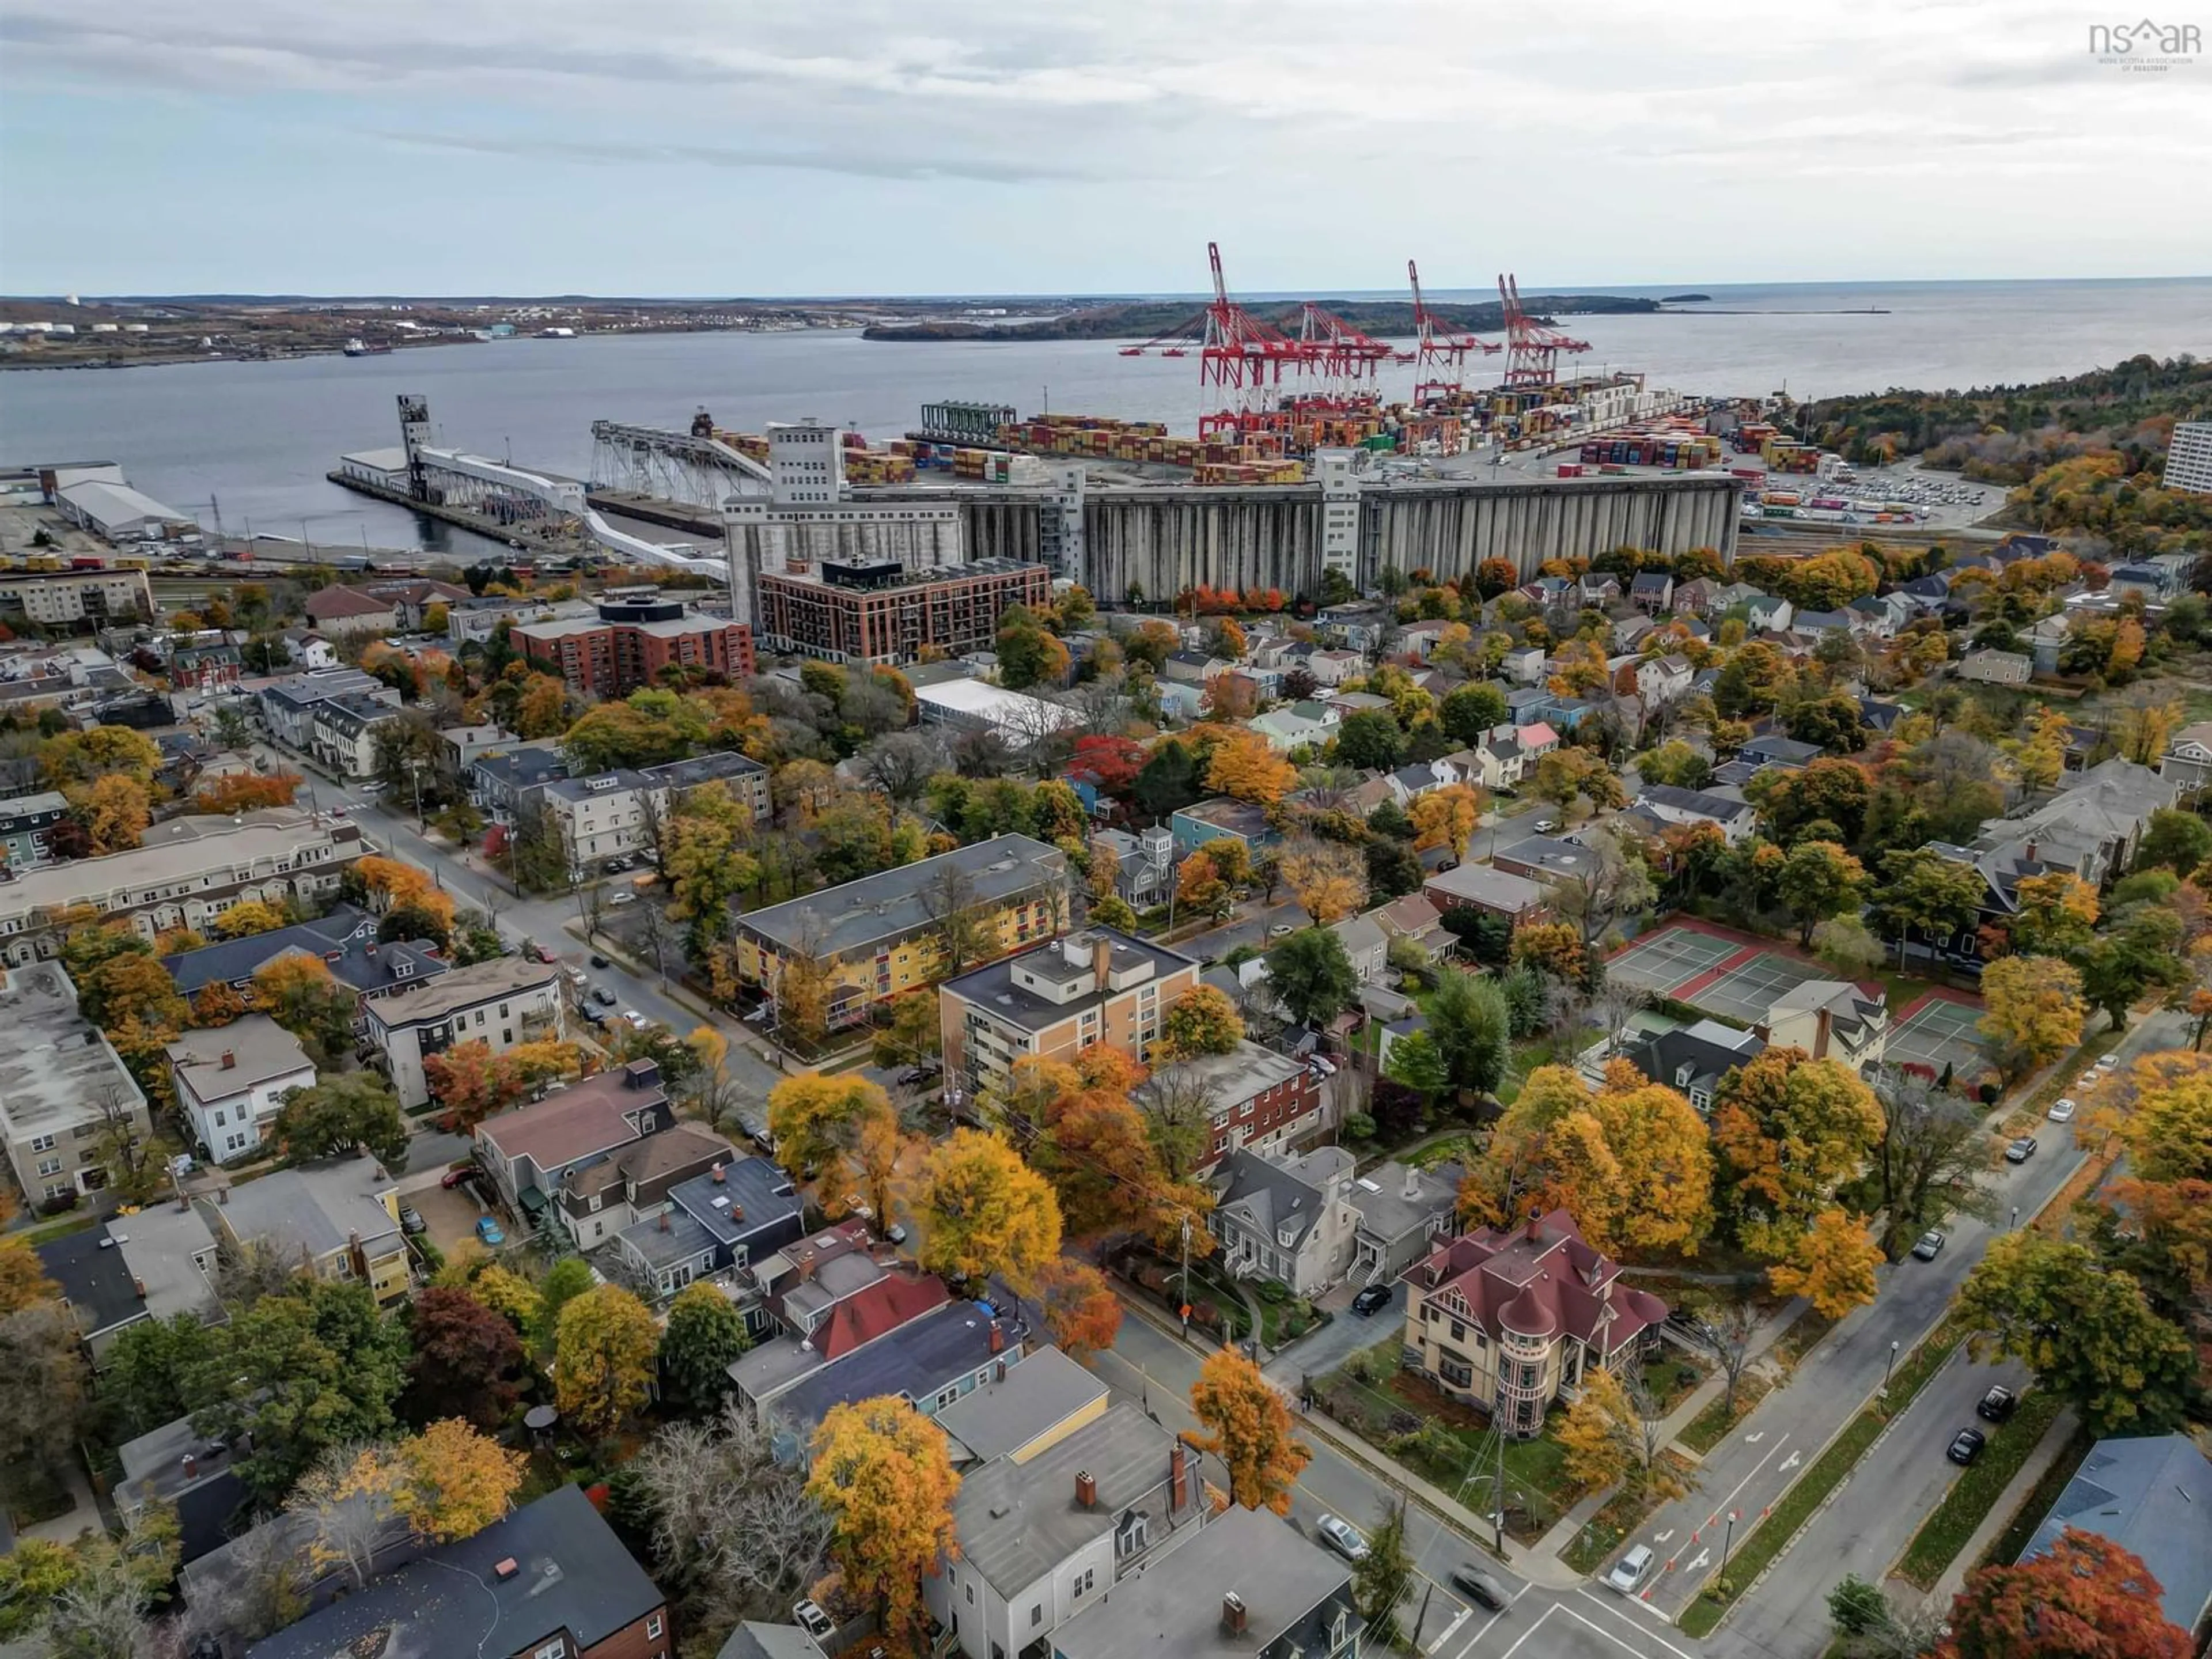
120,514
975,706
2188,458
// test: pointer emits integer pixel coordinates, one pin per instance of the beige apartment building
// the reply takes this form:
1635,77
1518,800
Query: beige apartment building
615,814
60,1086
1098,985
63,599
501,1002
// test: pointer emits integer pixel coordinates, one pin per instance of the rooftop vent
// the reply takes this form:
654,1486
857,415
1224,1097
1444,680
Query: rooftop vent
506,1568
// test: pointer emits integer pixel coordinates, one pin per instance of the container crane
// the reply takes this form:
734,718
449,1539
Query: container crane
1240,357
1440,350
1345,359
1533,348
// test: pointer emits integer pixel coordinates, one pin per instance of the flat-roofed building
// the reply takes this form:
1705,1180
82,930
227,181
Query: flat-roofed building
62,1088
501,1002
1098,985
1253,1098
189,873
63,599
885,613
618,814
630,641
886,932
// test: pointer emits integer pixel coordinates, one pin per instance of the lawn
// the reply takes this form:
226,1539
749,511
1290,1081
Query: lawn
1784,1521
2037,1504
1621,1514
1402,1413
1978,1488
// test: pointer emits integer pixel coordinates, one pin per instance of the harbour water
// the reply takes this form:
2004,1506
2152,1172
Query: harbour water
255,439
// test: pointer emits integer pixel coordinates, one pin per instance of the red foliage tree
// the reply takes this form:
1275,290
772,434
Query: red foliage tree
1112,764
466,1359
2087,1599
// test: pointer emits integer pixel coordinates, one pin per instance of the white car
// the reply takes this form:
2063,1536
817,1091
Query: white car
2062,1111
1342,1537
1545,826
631,1016
1630,1571
622,898
2108,1062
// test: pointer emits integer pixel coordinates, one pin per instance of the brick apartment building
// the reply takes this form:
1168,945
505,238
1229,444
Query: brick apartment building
630,641
882,613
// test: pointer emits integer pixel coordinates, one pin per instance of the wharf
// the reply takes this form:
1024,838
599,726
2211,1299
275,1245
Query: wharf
482,524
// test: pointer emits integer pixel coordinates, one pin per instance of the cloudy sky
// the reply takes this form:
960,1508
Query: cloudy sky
705,147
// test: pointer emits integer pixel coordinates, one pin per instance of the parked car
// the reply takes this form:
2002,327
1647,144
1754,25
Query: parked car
1630,1570
1966,1446
2062,1111
454,1178
1545,826
2020,1150
635,1020
603,997
1930,1245
410,1219
913,1075
1327,1068
1280,930
598,961
2107,1062
1997,1405
1479,1586
1342,1536
621,898
1371,1300
488,1230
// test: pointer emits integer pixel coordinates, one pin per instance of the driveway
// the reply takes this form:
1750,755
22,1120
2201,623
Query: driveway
451,1215
1322,1350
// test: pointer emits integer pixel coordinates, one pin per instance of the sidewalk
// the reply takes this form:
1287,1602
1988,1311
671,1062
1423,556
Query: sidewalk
1999,1517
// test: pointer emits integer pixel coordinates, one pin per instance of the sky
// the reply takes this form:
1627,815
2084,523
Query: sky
728,146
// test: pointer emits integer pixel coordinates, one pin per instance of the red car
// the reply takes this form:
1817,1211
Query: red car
454,1177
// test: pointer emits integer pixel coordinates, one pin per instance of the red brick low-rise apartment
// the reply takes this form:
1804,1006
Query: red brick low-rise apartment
884,614
631,641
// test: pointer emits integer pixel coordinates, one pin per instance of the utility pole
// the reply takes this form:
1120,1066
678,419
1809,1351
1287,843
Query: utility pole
1183,1302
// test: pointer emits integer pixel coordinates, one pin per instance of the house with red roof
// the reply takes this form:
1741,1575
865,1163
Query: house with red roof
1512,1320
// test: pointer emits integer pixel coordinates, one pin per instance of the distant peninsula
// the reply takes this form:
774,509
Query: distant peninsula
1143,320
1685,299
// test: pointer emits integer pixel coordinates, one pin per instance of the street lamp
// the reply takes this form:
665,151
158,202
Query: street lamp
1889,1367
2015,1218
1729,1538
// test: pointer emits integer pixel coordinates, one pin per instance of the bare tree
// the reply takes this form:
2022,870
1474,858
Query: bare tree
345,1500
1614,881
1616,1003
659,934
255,1587
902,764
592,909
983,754
245,1272
654,811
948,899
1724,1331
1178,1104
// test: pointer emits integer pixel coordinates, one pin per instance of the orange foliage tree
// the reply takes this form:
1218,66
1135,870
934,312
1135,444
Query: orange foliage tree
247,791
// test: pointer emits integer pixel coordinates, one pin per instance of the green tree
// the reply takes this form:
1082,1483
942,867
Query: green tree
1381,1577
705,867
142,1380
1819,880
705,1332
2085,1331
1371,739
1311,976
2142,948
1167,782
1416,1062
2174,840
1473,1026
341,1111
1470,710
1925,893
568,1279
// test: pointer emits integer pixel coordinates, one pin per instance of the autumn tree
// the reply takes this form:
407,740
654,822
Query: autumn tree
705,1333
2085,1331
473,1082
1554,948
913,1033
2033,1010
1202,1021
1248,1426
1597,1456
1831,1264
454,1481
883,1473
1243,766
603,1351
1819,880
703,859
2056,915
249,917
2085,1597
301,994
1448,817
815,1118
343,1110
1081,1309
1564,774
1788,1130
984,1210
1922,892
2168,1130
247,791
1930,1159
467,1360
23,1281
1328,878
114,811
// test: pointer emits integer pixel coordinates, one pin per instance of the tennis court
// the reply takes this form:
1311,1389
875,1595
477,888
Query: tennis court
1716,973
1935,1032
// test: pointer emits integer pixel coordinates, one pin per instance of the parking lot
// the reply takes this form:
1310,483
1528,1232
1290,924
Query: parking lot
450,1213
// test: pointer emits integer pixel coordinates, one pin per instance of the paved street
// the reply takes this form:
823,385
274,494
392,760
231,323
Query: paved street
1252,929
1770,1449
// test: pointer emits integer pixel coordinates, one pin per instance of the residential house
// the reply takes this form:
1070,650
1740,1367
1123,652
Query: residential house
1193,667
501,1002
932,1359
2146,582
1695,597
1145,868
502,780
1365,944
2187,763
599,1197
1523,665
822,1298
1996,667
886,929
155,1263
1930,594
1775,749
1035,1406
1819,623
1286,1219
1478,887
289,706
1765,613
309,649
1409,783
64,1092
1334,667
1403,1212
1598,588
1054,1001
1044,1537
1830,1019
1880,615
1249,1586
1359,624
1255,1098
1880,717
1629,631
1734,818
1348,703
1419,640
231,1080
2091,827
1663,679
25,823
2151,1495
344,942
623,814
1301,725
547,1581
194,1473
1242,821
336,611
2046,638
1691,1060
1545,858
717,1226
1512,1318
459,745
338,1218
1415,917
346,733
529,1153
1498,761
190,871
1652,592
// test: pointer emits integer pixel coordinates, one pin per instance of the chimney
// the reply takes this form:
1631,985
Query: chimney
1086,1490
1178,1478
719,1176
1232,1614
506,1568
664,1221
998,1337
192,1466
805,1266
139,1285
1101,959
1535,1225
2028,851
1413,1183
1823,1025
229,1060
998,1374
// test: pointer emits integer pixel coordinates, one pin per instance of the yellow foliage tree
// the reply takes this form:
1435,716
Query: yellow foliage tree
2032,1010
603,1359
115,811
1247,1425
815,1118
1328,878
882,1474
455,1481
1245,767
253,916
984,1212
1597,1456
1448,817
1832,1267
